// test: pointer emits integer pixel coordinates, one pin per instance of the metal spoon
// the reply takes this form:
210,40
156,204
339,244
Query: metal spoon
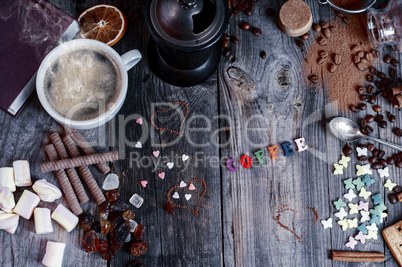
346,130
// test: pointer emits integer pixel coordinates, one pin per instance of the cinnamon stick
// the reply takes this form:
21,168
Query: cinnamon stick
357,256
79,161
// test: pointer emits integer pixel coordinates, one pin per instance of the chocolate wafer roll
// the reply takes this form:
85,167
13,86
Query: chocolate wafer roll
71,172
79,161
86,147
84,171
64,182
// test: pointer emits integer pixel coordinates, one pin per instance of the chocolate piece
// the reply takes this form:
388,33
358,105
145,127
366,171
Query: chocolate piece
392,198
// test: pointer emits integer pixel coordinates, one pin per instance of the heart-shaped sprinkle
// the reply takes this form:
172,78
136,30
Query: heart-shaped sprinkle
183,184
170,165
138,145
187,196
144,183
161,175
139,121
191,187
176,195
156,153
184,157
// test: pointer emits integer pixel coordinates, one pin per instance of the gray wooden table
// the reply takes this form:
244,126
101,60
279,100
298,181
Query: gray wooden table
228,117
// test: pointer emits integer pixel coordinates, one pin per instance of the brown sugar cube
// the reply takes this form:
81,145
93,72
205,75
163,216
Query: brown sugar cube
295,18
393,238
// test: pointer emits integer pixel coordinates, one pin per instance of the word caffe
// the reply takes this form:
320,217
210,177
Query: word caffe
246,161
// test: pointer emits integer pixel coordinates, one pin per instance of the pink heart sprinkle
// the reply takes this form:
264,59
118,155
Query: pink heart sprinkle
139,121
161,175
144,183
156,153
191,187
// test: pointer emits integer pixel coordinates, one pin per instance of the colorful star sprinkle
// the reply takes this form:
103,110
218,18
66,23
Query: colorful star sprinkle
383,216
338,169
352,243
344,223
327,223
341,214
377,199
362,237
365,216
350,195
367,180
375,212
361,151
358,183
375,219
389,184
353,208
349,184
362,228
363,205
372,235
383,172
380,207
364,194
372,227
363,169
344,161
352,223
339,204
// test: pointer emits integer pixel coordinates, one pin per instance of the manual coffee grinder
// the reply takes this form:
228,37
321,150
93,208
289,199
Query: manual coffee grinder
183,49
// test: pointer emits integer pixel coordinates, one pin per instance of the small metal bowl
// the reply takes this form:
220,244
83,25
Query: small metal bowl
366,6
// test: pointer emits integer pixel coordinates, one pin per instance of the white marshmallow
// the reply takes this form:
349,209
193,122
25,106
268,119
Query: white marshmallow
26,204
12,229
7,202
46,191
8,221
7,178
65,217
43,222
54,254
22,173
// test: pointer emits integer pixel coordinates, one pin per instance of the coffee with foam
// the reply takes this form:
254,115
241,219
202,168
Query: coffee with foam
82,83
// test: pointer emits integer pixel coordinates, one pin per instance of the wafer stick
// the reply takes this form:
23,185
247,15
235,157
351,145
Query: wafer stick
79,161
84,171
356,256
71,172
86,147
64,182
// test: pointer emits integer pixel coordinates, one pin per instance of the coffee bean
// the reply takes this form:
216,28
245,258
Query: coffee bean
375,152
373,70
379,118
237,11
361,66
399,164
353,108
377,108
347,150
383,162
369,129
375,53
225,37
234,39
372,99
364,98
372,159
369,78
263,54
258,32
323,54
362,106
226,52
385,81
397,131
369,118
339,14
245,26
370,147
242,5
322,41
395,157
324,24
269,11
397,189
363,123
364,61
369,56
337,59
332,68
360,54
326,32
376,166
378,83
321,60
362,158
387,58
314,79
299,43
305,36
347,20
316,28
392,73
390,161
370,89
381,154
362,90
381,75
356,59
392,198
364,131
248,12
383,124
394,62
391,118
225,44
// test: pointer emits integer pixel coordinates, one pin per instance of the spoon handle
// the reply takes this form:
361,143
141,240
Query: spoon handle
399,148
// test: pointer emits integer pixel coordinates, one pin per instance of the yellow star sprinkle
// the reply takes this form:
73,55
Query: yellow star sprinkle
344,161
344,223
352,223
372,234
338,169
390,185
364,194
353,208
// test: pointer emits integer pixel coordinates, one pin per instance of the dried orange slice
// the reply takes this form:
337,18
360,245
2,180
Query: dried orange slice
104,23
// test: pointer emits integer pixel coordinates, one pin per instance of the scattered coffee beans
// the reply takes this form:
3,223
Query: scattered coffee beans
226,52
370,119
362,106
337,59
316,28
263,54
324,24
332,68
392,198
305,36
314,79
326,32
322,41
256,31
387,58
248,12
323,54
375,53
245,26
377,108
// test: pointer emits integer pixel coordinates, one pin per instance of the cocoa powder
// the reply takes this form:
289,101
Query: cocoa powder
347,41
348,4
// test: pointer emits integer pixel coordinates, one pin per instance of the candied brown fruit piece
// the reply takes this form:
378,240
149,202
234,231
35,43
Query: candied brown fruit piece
96,226
112,195
119,205
138,248
90,242
128,215
108,254
170,208
86,221
103,245
119,235
139,231
135,263
106,227
105,209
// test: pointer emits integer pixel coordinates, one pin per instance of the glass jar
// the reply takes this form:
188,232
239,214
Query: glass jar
385,26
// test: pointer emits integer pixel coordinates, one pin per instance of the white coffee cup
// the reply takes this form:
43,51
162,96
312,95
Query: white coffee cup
124,63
